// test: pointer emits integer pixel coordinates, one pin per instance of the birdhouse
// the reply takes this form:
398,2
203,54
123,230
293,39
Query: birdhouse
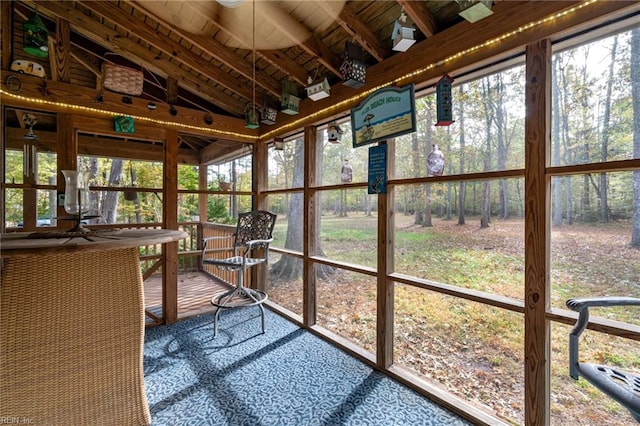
353,68
334,132
444,101
317,91
402,34
278,144
289,100
36,37
475,10
268,115
251,117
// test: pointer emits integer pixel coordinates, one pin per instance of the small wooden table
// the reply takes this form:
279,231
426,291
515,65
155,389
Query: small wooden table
72,326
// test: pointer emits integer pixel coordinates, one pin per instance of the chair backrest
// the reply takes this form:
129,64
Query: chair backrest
254,225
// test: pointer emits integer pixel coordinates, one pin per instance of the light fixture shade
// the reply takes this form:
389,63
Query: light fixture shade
475,10
230,3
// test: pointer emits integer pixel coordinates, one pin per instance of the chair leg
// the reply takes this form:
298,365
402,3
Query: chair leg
262,314
215,322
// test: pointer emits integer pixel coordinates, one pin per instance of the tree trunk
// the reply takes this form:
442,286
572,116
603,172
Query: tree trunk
110,204
635,96
489,112
604,144
461,194
556,184
289,268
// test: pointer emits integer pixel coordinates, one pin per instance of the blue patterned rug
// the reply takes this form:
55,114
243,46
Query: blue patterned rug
286,376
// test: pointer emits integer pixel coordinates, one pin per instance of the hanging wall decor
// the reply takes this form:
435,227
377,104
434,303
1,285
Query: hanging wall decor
251,117
435,161
353,68
289,100
444,101
402,34
36,37
318,89
123,124
334,132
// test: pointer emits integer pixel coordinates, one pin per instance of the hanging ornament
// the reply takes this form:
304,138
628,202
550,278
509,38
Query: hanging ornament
444,101
435,161
36,37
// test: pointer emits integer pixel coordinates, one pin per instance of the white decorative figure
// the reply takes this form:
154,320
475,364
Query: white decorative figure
435,161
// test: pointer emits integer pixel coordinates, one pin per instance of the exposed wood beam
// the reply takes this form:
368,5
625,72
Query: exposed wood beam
420,15
313,46
113,41
275,57
6,26
59,52
352,24
216,50
119,17
224,127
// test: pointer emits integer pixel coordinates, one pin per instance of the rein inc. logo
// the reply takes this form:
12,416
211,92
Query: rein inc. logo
15,420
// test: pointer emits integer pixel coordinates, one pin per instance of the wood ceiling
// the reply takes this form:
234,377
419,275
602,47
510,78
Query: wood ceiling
206,48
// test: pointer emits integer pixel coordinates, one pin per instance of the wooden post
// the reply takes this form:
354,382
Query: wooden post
259,274
67,158
170,221
311,227
385,287
537,190
60,51
6,24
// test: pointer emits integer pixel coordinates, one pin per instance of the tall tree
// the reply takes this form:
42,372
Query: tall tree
604,143
556,111
488,108
461,194
635,96
109,210
427,220
289,267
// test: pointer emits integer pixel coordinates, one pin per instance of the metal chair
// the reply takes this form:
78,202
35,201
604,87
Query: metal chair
254,230
622,386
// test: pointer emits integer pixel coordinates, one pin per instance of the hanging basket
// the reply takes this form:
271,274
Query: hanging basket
130,195
118,78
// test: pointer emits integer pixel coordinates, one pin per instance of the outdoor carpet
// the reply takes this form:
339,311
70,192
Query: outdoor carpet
286,376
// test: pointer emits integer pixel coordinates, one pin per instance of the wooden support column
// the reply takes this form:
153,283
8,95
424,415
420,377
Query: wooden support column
6,27
537,191
60,52
170,221
67,158
311,227
202,198
385,287
259,274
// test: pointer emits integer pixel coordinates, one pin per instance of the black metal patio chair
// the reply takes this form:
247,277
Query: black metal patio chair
254,231
620,385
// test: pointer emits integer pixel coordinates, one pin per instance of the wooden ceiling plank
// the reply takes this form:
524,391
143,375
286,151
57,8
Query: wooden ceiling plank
116,15
276,58
220,52
111,40
358,30
420,15
59,51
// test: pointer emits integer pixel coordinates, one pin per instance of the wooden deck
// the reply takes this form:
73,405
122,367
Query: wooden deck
195,290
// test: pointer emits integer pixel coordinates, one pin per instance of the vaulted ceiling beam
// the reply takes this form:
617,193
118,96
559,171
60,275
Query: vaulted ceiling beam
218,51
119,17
313,46
129,49
352,24
420,15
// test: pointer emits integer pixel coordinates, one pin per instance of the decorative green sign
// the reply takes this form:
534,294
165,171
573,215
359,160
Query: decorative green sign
384,114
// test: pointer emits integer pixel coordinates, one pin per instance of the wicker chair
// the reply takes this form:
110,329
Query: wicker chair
71,339
254,231
622,386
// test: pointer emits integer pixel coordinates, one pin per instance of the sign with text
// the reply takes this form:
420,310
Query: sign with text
384,114
377,170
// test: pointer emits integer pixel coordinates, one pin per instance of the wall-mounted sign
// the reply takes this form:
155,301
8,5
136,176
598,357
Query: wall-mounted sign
384,114
377,169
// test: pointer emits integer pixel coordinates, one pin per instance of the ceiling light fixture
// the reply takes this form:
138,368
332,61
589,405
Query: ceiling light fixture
230,3
475,10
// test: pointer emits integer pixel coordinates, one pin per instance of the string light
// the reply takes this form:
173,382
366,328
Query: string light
135,117
337,107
